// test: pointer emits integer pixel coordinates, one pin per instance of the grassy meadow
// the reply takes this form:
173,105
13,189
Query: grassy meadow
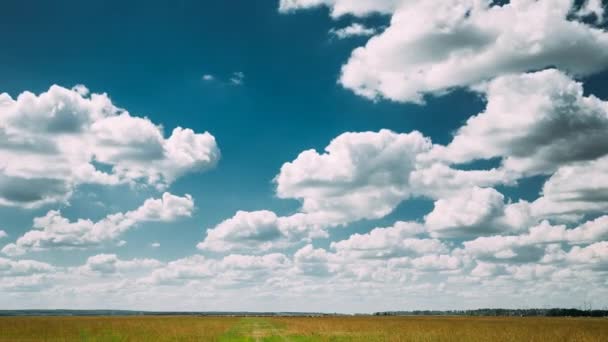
298,329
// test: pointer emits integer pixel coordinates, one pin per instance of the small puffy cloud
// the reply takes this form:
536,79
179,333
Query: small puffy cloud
32,284
245,230
23,267
342,7
313,261
531,246
354,30
260,231
389,242
177,271
535,122
436,262
110,263
232,270
575,190
52,142
208,77
487,269
55,231
237,78
595,255
476,212
165,209
3,234
434,46
155,244
439,180
360,175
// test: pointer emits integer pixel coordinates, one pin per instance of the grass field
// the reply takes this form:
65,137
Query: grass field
299,329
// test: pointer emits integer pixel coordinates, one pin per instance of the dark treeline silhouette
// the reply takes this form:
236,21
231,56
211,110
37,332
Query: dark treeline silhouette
554,312
66,312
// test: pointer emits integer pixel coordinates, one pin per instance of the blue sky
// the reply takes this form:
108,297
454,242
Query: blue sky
268,81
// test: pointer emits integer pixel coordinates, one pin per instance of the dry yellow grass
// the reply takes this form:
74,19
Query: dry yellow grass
442,328
131,328
369,329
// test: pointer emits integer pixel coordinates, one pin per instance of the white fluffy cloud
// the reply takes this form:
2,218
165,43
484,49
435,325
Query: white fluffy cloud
260,231
360,175
434,46
23,267
232,270
436,262
531,246
110,263
437,180
477,212
3,234
313,261
55,231
354,30
575,190
52,142
535,122
389,242
595,255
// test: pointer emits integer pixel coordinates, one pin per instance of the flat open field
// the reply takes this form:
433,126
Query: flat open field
190,328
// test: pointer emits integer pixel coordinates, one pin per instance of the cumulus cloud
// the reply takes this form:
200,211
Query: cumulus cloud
575,190
531,246
438,180
23,267
354,30
246,230
110,263
55,231
389,242
535,122
52,142
232,270
3,234
313,261
431,47
436,262
595,255
32,284
360,175
476,212
260,231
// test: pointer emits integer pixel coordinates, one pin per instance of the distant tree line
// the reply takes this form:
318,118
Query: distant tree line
553,312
